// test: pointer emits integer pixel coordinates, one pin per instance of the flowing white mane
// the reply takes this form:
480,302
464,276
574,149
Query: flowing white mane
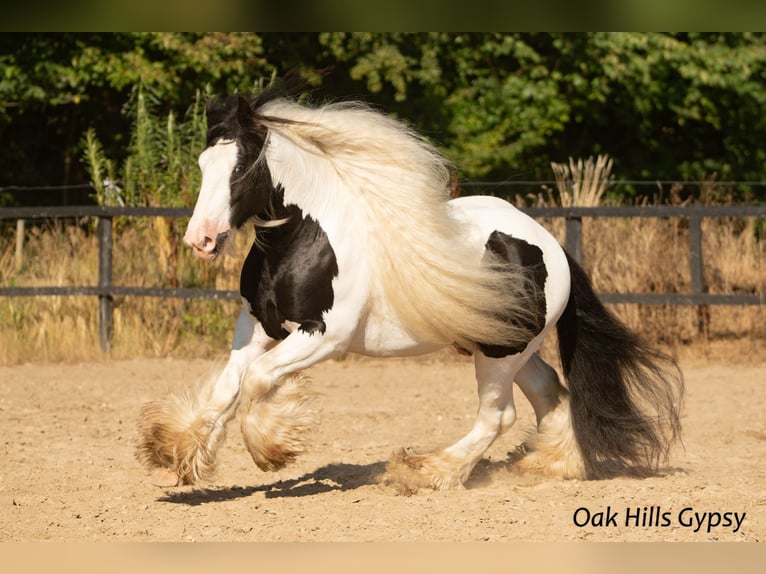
350,157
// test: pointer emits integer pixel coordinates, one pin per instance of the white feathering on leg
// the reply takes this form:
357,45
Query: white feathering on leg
275,421
179,436
553,449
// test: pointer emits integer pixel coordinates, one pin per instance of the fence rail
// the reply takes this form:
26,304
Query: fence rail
573,216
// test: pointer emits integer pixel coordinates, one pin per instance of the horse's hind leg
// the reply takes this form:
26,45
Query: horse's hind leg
181,434
451,466
553,449
540,384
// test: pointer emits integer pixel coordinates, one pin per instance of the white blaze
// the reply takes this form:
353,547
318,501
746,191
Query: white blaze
212,211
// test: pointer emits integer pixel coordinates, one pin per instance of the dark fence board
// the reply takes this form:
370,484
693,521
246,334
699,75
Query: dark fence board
650,211
120,291
59,212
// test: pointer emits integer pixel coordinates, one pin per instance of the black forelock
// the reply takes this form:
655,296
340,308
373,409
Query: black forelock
240,118
291,85
222,111
222,119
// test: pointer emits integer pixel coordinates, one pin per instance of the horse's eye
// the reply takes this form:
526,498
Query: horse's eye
237,168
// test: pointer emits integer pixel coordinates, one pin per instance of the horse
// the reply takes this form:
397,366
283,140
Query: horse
359,248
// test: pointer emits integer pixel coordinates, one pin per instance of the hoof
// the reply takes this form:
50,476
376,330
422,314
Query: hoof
409,472
552,450
166,477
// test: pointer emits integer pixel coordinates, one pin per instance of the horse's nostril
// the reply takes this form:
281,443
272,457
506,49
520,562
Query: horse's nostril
220,239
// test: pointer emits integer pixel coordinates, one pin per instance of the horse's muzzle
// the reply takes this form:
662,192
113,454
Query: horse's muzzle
208,248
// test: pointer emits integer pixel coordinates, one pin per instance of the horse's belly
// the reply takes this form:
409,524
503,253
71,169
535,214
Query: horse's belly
381,337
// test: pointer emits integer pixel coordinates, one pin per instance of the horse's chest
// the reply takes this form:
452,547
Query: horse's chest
288,283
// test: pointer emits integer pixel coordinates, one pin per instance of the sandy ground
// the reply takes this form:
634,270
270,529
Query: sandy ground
68,472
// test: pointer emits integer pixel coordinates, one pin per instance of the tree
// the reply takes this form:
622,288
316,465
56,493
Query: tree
502,106
664,106
56,86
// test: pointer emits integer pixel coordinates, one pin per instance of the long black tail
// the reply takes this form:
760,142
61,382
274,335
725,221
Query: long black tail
625,396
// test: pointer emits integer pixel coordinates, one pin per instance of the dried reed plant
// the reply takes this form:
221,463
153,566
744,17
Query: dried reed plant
583,183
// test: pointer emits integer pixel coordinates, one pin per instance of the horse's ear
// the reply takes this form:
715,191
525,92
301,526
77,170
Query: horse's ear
244,112
209,101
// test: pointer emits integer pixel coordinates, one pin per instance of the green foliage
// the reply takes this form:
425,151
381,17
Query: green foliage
675,106
686,103
502,111
161,166
58,69
664,106
54,87
101,169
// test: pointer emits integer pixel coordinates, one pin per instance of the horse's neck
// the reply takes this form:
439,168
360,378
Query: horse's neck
310,182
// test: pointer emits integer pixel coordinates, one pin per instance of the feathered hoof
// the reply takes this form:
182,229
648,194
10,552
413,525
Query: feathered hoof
275,422
550,466
409,472
175,441
552,450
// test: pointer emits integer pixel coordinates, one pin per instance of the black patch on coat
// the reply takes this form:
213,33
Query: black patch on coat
287,276
530,257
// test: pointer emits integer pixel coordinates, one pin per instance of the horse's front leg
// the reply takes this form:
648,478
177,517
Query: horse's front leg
275,414
180,435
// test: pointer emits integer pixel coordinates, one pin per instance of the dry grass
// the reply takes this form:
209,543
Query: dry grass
58,328
652,256
622,255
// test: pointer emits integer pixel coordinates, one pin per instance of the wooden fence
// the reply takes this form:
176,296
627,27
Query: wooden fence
573,216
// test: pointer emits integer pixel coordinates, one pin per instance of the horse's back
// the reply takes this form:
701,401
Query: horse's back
486,222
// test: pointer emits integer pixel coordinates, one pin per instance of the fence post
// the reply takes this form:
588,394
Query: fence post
105,328
19,261
573,237
697,273
695,255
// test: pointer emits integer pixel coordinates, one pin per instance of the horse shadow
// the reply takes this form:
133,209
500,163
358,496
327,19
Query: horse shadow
332,477
343,477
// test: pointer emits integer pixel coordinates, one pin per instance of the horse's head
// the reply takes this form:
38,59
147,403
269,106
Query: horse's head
236,184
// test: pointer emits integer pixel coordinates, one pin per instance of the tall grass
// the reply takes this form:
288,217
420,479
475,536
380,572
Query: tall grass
621,255
160,169
651,255
65,328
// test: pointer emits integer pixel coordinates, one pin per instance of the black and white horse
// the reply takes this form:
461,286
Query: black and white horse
359,249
